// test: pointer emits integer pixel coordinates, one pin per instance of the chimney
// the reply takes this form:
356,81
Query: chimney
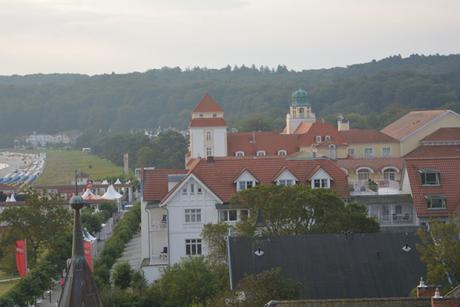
425,291
343,124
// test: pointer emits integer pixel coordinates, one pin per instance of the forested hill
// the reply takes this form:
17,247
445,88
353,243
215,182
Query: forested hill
370,94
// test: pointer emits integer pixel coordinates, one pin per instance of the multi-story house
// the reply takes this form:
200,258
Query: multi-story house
431,175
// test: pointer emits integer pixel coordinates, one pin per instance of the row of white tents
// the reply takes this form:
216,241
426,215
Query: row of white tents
110,194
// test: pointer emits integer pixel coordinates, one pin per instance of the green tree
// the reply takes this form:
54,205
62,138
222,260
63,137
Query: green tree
122,274
43,222
440,251
256,122
194,281
298,209
260,288
214,237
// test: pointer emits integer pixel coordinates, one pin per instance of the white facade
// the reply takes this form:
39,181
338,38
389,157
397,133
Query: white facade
208,141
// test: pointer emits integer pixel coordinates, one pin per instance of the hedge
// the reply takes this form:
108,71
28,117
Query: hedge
124,231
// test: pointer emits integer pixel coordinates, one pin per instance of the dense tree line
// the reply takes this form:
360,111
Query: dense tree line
165,97
167,150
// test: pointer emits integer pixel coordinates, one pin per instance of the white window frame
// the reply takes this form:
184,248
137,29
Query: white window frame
430,198
386,155
228,215
193,247
285,182
425,173
244,185
321,183
209,136
261,153
209,152
387,173
318,139
327,138
239,153
351,152
364,171
368,156
282,152
192,215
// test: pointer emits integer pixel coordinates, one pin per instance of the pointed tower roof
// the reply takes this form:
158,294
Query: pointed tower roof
79,288
207,104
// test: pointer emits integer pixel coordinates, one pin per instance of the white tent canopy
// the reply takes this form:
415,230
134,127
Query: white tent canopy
11,199
105,182
89,195
111,194
118,181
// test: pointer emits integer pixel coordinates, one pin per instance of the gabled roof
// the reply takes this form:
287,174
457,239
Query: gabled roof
271,142
208,122
443,134
281,171
219,175
207,104
410,122
156,183
366,136
320,129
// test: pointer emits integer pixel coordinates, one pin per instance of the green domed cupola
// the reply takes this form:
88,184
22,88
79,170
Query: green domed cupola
300,98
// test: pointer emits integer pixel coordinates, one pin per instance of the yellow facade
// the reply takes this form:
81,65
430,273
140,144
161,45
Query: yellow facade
411,142
377,150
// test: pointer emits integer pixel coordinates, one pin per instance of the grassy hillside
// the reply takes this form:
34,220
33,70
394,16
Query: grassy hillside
61,165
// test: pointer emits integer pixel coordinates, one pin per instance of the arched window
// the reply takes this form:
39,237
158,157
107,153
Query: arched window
282,152
239,153
363,174
389,174
260,153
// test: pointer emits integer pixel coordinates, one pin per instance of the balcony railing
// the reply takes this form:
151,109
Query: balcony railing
365,187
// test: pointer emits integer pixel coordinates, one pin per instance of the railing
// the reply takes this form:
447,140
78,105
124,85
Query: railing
364,187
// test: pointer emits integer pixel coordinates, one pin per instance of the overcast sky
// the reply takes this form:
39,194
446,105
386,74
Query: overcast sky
103,36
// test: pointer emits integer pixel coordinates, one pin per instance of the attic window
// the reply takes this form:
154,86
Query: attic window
282,152
214,115
239,154
436,202
201,114
261,153
318,139
429,177
328,138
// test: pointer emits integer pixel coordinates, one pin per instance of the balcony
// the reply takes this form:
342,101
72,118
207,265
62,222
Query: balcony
393,214
381,187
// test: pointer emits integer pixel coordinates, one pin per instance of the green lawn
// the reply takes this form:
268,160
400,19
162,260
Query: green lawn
61,165
5,286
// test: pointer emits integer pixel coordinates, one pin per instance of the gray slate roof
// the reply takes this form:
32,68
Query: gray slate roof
335,265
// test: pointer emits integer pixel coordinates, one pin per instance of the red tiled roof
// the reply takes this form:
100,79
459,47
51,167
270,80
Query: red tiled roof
323,130
449,169
156,182
410,122
207,122
207,104
271,142
366,136
443,134
219,175
6,187
376,164
435,151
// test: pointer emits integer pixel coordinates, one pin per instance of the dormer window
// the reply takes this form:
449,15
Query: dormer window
328,138
318,139
214,115
244,185
285,182
282,152
239,154
429,177
245,181
321,180
260,153
201,114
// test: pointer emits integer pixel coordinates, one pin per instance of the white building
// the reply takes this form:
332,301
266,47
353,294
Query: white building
176,204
